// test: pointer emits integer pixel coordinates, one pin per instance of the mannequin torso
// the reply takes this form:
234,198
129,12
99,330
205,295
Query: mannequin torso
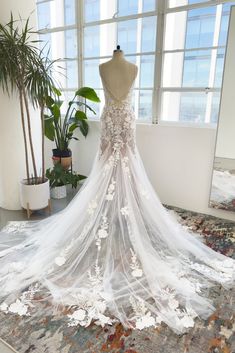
118,75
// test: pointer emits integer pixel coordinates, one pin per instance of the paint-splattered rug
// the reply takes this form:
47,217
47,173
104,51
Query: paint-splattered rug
216,335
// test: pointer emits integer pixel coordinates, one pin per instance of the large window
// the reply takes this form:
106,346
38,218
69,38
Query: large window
178,45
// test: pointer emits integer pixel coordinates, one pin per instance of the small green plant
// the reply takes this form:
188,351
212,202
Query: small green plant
58,176
61,129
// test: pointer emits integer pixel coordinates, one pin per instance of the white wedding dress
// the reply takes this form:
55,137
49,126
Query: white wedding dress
115,253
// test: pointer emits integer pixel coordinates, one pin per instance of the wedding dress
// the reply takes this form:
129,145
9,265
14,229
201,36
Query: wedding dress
115,253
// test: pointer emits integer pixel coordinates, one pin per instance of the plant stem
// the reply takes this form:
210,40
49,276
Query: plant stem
43,140
30,133
24,135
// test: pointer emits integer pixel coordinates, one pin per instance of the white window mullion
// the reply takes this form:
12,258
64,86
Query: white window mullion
157,94
79,22
213,62
138,58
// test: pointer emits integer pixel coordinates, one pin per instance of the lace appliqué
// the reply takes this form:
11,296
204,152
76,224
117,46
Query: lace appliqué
142,317
117,126
15,227
22,304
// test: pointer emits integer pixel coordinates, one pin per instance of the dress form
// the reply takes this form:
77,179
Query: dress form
118,75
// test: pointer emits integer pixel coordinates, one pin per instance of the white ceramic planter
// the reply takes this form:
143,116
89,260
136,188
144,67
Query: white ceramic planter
34,197
59,192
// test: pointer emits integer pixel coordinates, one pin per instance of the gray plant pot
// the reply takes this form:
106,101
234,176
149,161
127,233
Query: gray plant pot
59,192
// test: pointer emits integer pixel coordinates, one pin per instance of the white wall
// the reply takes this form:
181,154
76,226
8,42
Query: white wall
178,161
12,162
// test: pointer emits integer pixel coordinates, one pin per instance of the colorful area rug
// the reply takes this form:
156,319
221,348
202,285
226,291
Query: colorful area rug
215,335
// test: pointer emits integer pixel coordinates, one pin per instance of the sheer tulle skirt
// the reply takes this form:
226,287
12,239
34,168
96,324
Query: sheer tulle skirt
113,254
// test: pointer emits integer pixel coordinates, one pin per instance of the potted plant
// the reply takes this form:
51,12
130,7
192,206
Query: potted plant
25,71
61,129
59,178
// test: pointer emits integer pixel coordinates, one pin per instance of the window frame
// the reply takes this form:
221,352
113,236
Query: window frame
161,11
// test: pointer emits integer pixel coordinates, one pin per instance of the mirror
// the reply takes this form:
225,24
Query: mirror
222,193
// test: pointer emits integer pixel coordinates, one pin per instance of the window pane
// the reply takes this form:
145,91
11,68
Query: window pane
131,7
192,107
96,10
66,97
219,68
91,73
175,30
127,36
192,29
145,105
69,12
200,27
100,40
224,23
66,74
215,107
184,106
127,7
43,13
91,41
148,5
197,68
56,13
193,69
91,10
70,43
67,47
171,76
175,3
45,44
148,34
71,74
147,71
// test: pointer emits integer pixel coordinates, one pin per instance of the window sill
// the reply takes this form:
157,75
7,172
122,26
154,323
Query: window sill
170,124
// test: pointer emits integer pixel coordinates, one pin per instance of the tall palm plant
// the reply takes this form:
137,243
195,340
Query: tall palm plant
40,85
24,70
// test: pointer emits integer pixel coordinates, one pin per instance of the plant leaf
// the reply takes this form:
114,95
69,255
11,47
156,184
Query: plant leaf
88,93
49,129
56,91
80,115
73,127
55,111
84,127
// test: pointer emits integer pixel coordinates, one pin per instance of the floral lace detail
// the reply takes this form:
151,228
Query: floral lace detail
219,270
135,266
117,126
111,190
102,232
125,211
91,304
15,227
61,259
125,165
92,206
142,317
22,305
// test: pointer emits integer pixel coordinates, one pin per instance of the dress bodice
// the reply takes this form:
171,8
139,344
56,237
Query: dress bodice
117,124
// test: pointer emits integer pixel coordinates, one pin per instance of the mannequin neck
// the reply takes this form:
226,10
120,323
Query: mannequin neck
118,55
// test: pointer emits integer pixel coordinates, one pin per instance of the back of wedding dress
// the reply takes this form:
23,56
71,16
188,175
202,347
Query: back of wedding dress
114,253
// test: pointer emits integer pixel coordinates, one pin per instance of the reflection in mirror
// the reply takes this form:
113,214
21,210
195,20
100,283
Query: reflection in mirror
222,193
